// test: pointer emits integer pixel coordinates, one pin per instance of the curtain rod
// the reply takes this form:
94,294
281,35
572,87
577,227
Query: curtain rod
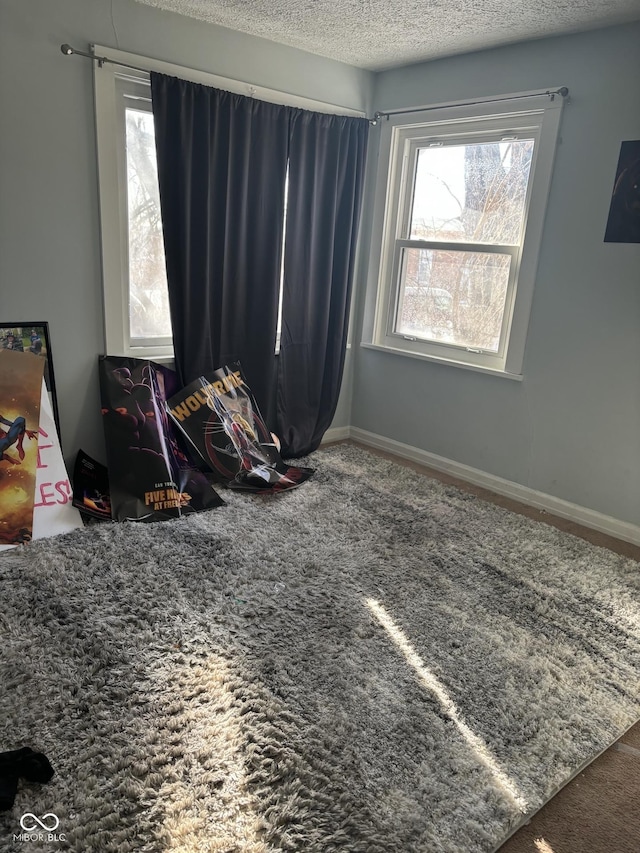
563,91
67,50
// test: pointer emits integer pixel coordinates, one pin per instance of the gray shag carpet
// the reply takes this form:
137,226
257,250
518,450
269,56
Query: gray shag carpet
371,662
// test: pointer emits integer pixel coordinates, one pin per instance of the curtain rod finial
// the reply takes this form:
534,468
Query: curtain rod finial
66,49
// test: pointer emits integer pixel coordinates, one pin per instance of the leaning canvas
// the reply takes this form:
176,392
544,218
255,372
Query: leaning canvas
20,398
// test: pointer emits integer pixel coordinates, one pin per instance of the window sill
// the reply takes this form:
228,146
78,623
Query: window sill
491,371
141,353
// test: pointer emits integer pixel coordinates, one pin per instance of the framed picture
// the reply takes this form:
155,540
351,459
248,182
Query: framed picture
623,224
33,337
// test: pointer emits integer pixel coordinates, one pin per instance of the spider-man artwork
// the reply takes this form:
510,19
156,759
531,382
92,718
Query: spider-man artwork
14,435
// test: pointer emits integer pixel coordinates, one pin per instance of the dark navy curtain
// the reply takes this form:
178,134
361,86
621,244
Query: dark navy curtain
222,165
222,162
326,172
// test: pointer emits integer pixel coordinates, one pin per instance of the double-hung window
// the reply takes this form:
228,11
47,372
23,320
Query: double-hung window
464,193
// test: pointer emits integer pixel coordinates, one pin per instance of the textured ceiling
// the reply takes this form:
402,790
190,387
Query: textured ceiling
378,34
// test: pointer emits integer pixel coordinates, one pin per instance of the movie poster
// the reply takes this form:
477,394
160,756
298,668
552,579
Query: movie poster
150,476
20,394
34,338
220,417
91,487
623,225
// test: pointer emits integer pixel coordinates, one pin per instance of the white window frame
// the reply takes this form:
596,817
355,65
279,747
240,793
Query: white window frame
113,81
535,116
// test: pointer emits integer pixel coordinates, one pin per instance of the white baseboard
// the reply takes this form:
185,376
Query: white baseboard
336,434
540,500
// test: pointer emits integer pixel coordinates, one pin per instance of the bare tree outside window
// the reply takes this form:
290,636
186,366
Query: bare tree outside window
472,194
149,297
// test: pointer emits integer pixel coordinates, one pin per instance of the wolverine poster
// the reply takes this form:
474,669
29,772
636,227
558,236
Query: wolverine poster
218,414
20,390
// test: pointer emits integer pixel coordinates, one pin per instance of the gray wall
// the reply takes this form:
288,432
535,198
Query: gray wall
572,427
49,225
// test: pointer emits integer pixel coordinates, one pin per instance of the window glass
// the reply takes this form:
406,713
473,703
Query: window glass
472,193
148,292
453,297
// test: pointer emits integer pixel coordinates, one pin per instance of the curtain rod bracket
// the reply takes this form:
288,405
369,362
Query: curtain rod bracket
376,118
71,51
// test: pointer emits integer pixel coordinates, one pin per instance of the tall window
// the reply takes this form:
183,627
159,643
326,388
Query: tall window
136,297
136,301
464,201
